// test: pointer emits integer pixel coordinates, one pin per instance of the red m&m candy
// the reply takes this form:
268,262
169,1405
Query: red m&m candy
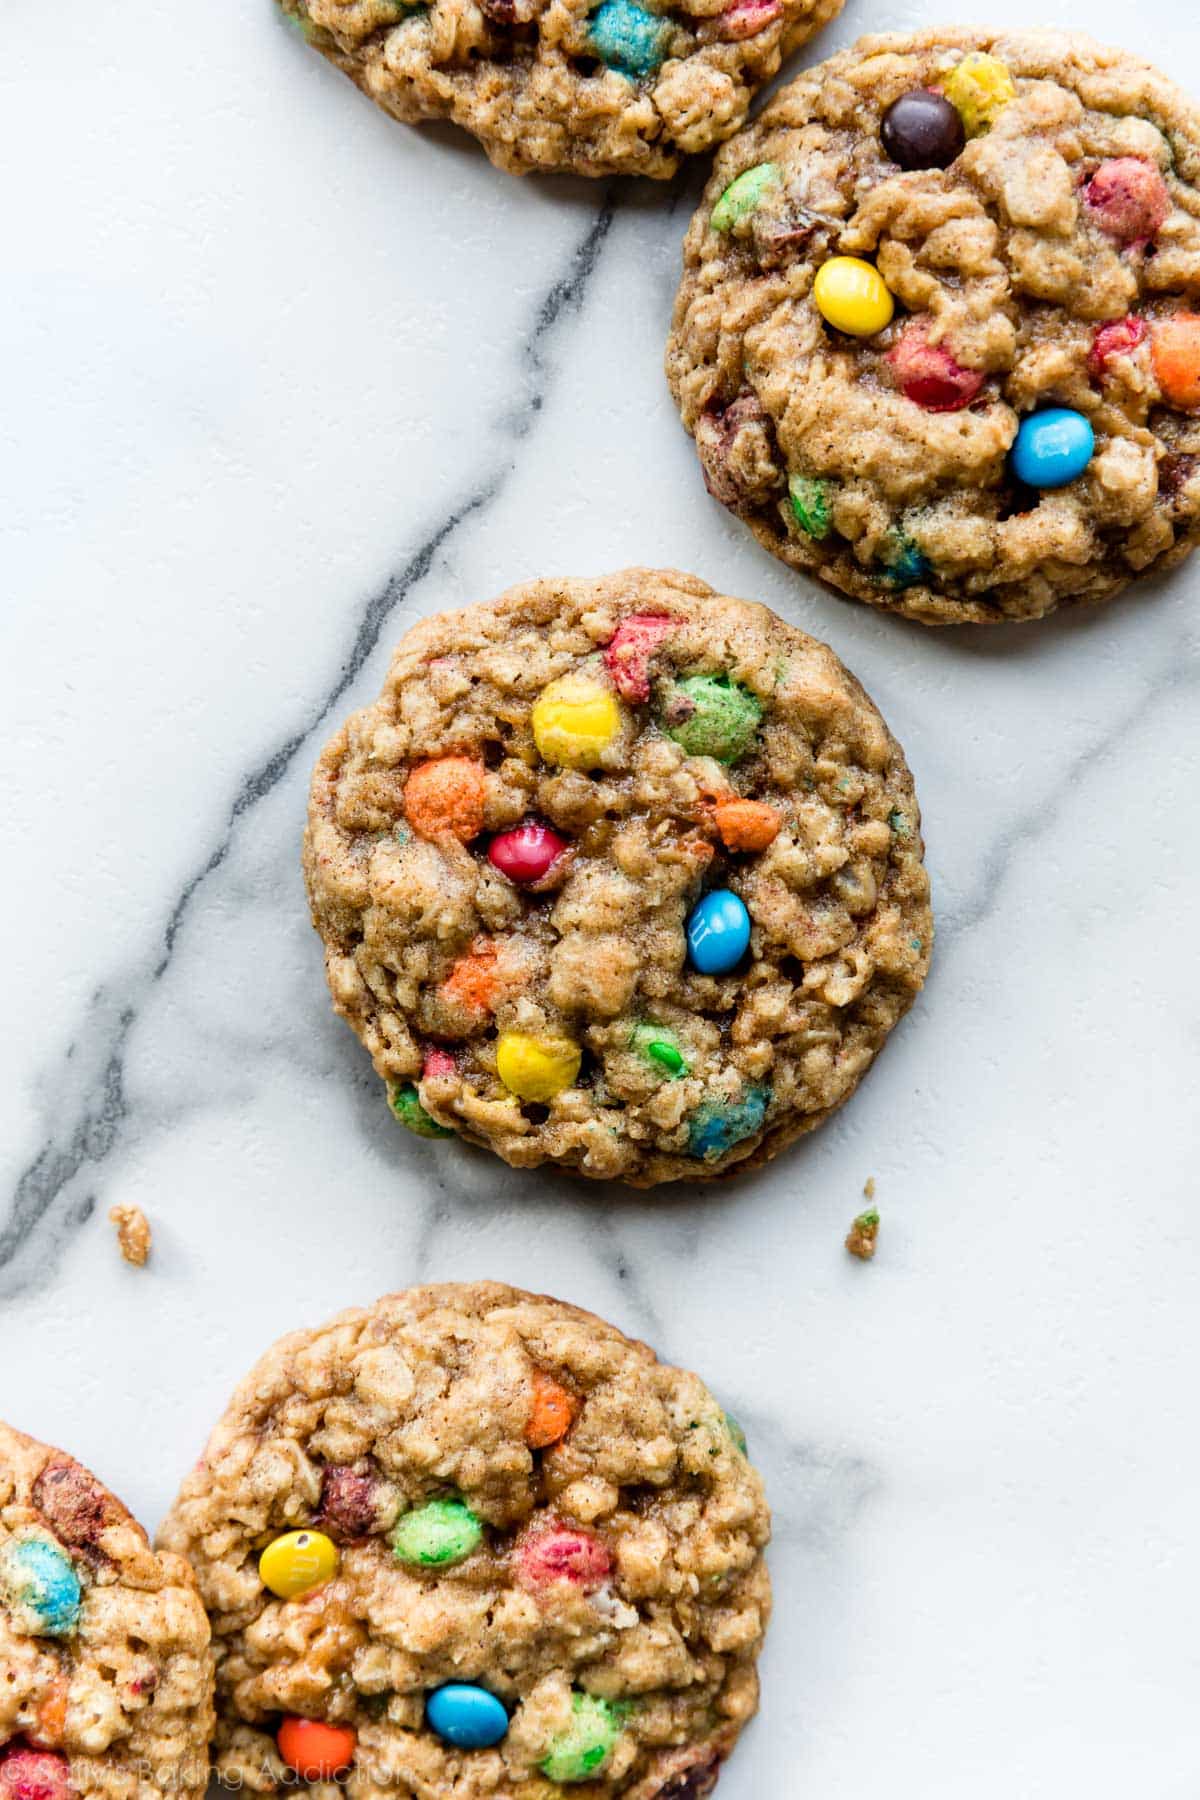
929,374
1120,337
627,657
525,854
560,1553
1128,199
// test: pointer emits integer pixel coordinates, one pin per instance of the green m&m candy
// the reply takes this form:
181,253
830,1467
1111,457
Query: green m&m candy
406,1104
744,195
735,1431
658,1046
709,715
436,1534
810,504
586,1743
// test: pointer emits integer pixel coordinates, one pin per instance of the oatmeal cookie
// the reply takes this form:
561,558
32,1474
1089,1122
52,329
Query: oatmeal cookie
107,1674
473,1542
618,874
938,335
607,88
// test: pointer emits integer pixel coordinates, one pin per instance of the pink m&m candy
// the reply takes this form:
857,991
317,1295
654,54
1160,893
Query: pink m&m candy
627,657
526,853
1128,199
33,1775
746,18
560,1553
438,1062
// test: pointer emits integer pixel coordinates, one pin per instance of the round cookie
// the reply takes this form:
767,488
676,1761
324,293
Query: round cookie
543,1549
593,87
922,251
104,1645
733,916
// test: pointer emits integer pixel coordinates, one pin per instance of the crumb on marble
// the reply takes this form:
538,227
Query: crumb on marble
862,1236
133,1233
869,1188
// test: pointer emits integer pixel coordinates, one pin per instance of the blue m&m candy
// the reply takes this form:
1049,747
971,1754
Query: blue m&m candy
1053,447
629,38
466,1716
718,1125
718,932
41,1588
904,565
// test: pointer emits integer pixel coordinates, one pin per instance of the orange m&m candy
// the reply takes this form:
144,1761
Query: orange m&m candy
552,1415
316,1751
1175,348
52,1716
474,980
444,798
746,824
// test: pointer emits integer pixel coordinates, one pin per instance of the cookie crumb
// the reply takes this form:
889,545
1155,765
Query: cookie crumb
133,1233
869,1188
861,1238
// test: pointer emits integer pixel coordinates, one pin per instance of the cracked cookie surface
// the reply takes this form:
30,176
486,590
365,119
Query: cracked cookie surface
570,85
512,1497
104,1645
1046,262
532,858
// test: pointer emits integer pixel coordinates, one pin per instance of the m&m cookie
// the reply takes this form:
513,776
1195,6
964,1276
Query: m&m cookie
473,1542
938,335
594,87
107,1676
619,875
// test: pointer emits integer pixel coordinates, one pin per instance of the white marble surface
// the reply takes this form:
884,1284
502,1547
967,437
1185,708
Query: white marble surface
279,377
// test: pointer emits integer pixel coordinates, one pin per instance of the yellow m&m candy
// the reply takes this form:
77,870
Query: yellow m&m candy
979,88
852,296
536,1068
298,1562
574,721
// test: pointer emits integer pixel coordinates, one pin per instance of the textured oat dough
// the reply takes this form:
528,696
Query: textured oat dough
1001,251
839,902
523,77
430,1394
126,1694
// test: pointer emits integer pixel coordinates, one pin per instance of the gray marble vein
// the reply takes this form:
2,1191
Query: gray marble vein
88,1139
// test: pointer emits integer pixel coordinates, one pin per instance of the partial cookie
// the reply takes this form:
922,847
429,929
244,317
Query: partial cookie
614,88
105,1671
938,336
621,875
473,1542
